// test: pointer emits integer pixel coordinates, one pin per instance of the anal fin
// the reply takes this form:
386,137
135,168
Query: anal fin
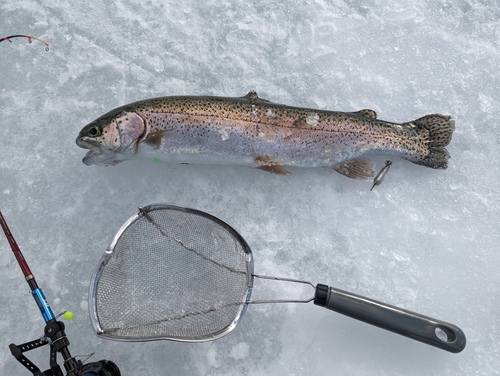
359,168
266,164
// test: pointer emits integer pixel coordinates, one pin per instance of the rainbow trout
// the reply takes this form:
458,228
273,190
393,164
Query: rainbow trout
253,131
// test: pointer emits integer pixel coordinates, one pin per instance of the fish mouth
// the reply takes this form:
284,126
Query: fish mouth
97,155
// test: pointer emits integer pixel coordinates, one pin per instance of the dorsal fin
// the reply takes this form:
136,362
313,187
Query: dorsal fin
253,97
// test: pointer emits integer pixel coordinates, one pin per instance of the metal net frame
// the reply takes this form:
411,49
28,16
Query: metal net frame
171,273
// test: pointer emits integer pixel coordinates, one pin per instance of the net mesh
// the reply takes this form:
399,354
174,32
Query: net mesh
176,275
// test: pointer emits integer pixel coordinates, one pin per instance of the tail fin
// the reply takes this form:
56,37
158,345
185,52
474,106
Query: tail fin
440,129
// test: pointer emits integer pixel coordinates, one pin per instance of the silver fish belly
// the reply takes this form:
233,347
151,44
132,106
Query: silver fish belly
251,130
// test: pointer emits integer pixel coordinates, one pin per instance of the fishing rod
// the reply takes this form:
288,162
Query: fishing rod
30,39
54,331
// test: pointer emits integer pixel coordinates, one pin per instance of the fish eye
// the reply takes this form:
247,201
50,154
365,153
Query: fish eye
94,130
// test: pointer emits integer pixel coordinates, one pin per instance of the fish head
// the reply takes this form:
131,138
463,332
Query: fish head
112,138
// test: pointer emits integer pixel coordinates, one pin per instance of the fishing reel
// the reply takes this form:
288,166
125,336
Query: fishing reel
56,338
100,368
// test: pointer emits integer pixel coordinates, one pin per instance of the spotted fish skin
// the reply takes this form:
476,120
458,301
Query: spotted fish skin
251,130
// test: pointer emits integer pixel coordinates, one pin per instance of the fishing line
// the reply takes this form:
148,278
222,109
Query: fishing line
85,356
68,315
29,37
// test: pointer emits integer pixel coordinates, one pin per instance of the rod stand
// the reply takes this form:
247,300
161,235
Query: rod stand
56,337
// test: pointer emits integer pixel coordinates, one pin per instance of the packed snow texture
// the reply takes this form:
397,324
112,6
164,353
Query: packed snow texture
424,240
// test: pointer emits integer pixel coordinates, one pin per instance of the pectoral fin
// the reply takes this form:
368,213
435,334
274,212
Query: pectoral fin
154,139
359,168
266,164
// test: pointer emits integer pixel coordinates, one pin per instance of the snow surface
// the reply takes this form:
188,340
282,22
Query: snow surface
425,240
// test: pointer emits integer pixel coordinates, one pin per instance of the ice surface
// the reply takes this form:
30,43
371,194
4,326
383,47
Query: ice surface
425,240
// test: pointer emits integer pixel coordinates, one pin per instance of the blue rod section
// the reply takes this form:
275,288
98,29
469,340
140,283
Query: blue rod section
43,305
